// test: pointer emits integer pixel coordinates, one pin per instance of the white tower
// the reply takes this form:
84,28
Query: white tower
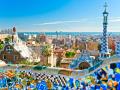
104,46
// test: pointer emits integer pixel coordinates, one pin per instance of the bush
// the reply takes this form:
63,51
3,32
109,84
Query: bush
25,62
36,63
70,54
23,66
39,67
1,46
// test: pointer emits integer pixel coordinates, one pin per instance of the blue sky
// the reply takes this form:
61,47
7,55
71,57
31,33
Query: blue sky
58,15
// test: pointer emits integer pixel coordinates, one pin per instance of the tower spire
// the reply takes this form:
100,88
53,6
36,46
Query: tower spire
104,46
105,6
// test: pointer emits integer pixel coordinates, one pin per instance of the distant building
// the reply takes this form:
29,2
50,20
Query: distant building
92,45
68,41
42,38
3,36
49,40
65,62
117,48
59,54
77,42
111,43
6,31
81,45
55,41
9,33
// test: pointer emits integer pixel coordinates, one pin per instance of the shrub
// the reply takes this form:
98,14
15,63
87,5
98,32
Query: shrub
39,67
36,63
70,54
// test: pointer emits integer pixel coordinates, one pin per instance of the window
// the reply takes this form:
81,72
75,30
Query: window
9,49
15,57
4,57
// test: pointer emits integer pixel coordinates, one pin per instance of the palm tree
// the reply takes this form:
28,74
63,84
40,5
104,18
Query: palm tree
46,51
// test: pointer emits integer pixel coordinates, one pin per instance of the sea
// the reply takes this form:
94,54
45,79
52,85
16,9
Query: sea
68,33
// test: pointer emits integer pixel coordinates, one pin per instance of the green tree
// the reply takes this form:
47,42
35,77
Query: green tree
70,54
1,44
8,39
46,51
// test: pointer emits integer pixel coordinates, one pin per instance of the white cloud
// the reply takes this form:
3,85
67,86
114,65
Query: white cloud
85,25
116,19
57,22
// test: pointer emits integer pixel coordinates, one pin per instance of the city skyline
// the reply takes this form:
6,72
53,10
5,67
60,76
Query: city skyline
63,15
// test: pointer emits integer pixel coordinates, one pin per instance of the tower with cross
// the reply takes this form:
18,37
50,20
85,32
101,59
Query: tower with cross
104,45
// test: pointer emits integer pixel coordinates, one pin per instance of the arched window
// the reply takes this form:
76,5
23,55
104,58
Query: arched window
9,49
84,65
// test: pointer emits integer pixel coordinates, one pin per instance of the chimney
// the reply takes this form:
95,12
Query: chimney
14,30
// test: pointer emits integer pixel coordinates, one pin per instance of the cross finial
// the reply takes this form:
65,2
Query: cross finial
105,6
